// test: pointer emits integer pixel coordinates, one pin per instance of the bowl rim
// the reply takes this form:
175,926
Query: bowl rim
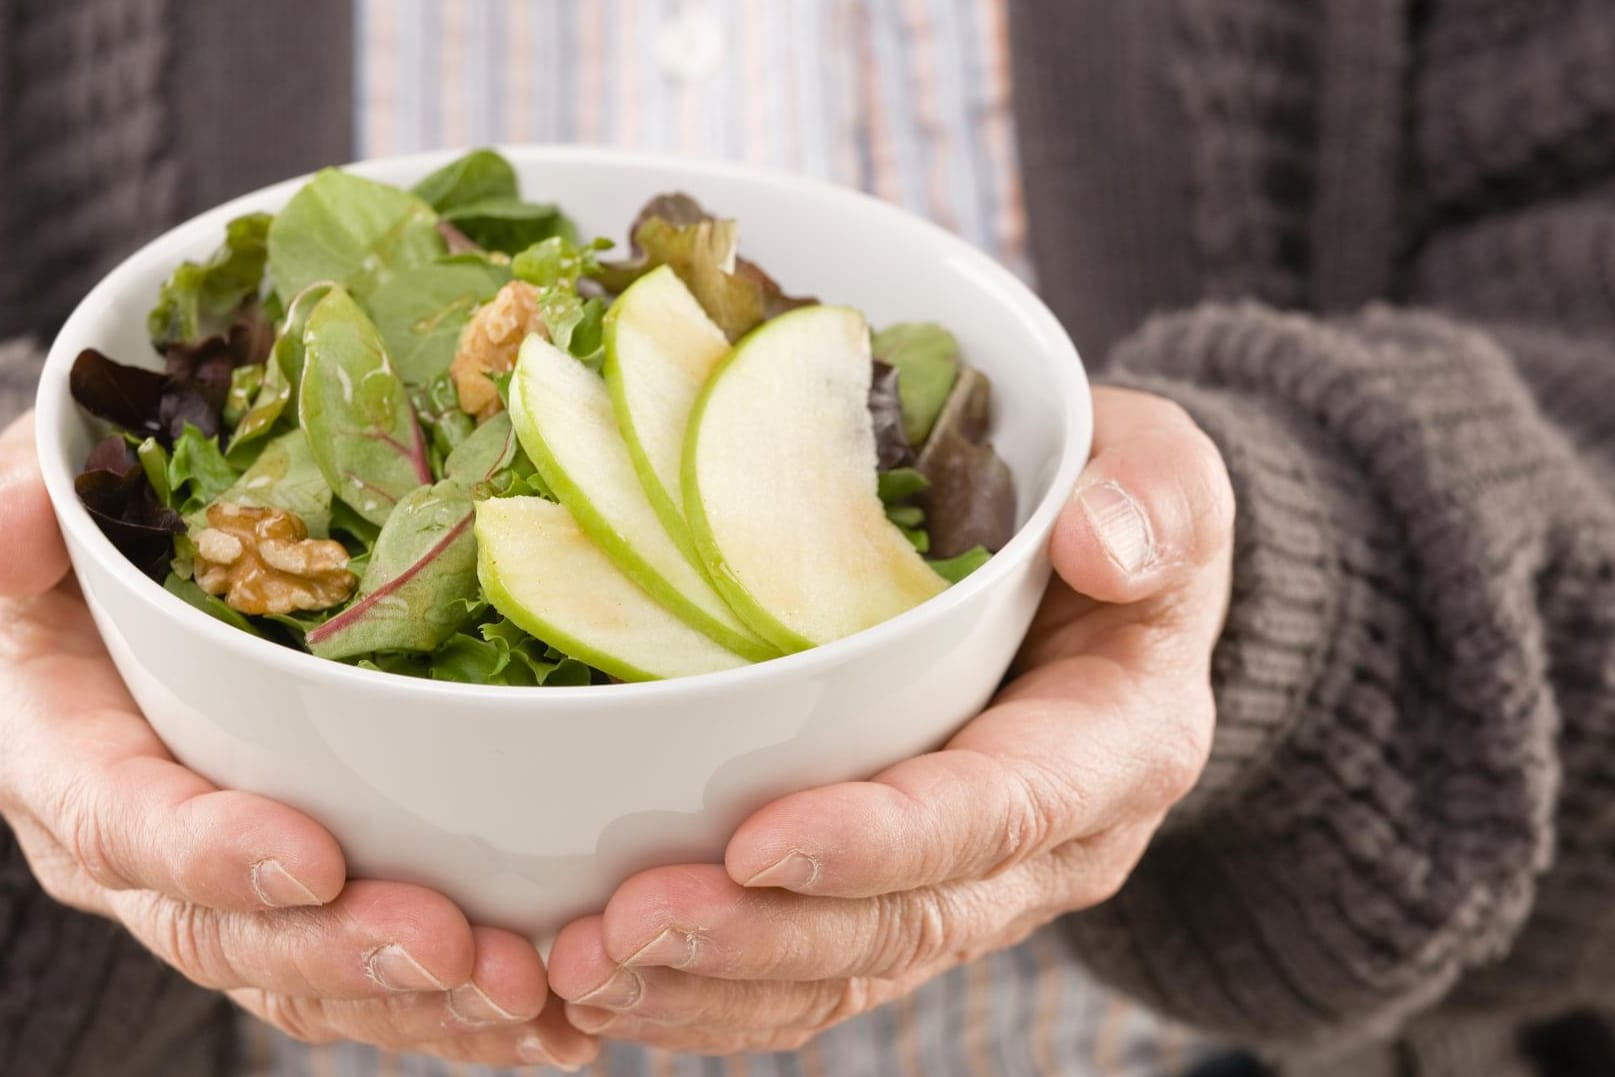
54,407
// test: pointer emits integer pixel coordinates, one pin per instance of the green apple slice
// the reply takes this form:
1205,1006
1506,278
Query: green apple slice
539,569
780,489
563,417
660,350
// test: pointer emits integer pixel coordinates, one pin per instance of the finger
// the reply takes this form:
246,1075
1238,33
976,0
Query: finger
596,982
1071,750
683,1039
375,939
32,555
82,760
1153,504
696,920
507,984
420,1023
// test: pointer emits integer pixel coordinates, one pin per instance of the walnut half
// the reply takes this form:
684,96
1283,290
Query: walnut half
489,344
262,561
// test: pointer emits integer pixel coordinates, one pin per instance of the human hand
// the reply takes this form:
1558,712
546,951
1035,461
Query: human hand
834,901
236,891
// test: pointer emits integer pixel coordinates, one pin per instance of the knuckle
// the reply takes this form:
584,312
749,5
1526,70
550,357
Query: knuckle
293,1017
1177,755
839,1000
83,832
1031,821
912,929
188,937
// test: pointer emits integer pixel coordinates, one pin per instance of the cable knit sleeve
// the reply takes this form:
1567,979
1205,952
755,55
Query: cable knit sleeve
1425,583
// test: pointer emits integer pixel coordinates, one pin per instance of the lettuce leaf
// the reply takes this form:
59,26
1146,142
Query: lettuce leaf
200,297
421,310
971,500
115,490
926,357
674,230
343,228
420,575
478,176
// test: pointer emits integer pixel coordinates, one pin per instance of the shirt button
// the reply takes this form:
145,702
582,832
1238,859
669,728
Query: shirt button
690,47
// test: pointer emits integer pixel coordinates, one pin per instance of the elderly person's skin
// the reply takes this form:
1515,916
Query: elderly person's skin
830,902
236,891
834,901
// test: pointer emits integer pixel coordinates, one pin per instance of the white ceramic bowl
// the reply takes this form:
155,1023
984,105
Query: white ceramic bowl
528,806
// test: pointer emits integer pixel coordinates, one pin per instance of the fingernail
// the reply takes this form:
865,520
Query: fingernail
392,967
1121,525
622,990
797,871
671,949
471,1006
588,1019
279,888
531,1048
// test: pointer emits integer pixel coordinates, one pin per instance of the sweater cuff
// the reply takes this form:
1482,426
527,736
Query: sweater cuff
1283,608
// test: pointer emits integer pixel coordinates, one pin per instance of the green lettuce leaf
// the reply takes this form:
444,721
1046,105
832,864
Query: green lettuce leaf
343,228
478,176
197,471
421,310
201,297
926,358
420,575
509,224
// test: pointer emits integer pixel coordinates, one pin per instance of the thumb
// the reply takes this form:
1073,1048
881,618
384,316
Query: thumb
32,557
1153,505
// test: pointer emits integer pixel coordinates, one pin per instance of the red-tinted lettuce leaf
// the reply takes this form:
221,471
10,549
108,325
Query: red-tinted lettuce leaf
141,402
210,363
674,230
114,488
971,500
886,409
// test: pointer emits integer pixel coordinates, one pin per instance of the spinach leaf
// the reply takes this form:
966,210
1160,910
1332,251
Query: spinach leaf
509,224
489,450
356,411
284,476
478,176
421,310
245,384
200,297
437,406
421,573
282,373
341,227
926,357
212,605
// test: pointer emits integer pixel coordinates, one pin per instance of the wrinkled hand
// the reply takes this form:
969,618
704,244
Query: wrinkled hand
834,901
236,891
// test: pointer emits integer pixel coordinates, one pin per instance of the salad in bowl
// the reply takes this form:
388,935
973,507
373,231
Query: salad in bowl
434,431
523,563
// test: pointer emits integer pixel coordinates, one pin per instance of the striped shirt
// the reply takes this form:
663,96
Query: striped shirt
909,99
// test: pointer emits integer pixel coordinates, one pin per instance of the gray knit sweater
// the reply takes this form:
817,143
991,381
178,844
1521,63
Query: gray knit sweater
1371,247
1408,823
